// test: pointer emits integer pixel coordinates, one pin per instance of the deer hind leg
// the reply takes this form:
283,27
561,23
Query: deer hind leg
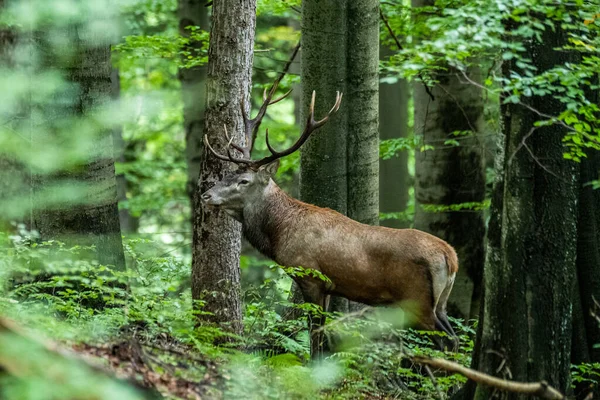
441,285
440,312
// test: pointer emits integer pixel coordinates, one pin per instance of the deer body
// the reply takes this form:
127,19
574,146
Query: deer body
369,264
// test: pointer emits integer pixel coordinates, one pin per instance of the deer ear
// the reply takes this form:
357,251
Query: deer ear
271,168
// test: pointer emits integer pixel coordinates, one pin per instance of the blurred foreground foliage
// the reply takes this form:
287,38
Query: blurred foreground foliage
145,331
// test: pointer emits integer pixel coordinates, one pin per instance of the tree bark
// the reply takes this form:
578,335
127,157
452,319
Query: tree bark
362,102
193,88
586,329
90,217
323,180
339,165
452,175
529,276
323,173
393,123
216,242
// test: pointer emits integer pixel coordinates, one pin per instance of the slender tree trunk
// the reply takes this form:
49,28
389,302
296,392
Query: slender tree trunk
129,224
452,175
14,174
91,217
530,274
216,243
193,88
393,123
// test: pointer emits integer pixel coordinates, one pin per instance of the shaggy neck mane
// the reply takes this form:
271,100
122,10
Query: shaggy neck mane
268,222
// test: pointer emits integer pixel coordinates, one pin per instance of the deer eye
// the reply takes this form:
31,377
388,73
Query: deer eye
244,182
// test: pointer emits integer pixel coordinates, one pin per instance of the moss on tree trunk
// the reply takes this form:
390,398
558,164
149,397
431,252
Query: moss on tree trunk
530,268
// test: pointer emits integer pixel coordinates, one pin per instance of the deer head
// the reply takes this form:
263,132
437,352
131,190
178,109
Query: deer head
247,184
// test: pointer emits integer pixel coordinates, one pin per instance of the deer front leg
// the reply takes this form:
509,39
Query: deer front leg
314,292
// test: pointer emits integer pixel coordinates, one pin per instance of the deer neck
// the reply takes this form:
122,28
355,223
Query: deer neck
265,222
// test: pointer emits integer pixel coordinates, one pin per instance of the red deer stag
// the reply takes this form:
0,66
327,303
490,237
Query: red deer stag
369,264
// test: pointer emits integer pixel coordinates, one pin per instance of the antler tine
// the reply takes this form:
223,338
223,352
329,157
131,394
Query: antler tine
336,106
219,156
277,100
230,141
311,126
230,144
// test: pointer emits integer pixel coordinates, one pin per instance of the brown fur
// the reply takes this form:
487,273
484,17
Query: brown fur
369,264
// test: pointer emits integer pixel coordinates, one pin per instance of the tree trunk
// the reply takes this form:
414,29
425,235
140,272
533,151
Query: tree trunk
216,242
129,224
193,88
323,173
91,216
529,275
14,174
452,175
339,165
586,330
362,105
323,180
393,123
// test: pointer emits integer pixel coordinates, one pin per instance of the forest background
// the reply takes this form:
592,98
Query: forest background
473,120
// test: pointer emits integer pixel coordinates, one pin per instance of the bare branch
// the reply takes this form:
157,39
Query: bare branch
538,389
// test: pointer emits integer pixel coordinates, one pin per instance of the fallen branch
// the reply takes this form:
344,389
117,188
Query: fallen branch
539,389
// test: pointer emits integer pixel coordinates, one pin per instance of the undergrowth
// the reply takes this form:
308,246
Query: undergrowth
57,294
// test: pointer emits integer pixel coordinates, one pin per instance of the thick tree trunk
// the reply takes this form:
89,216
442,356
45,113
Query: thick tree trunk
193,88
216,243
586,330
530,274
323,173
362,102
393,173
323,180
91,217
339,167
343,158
588,256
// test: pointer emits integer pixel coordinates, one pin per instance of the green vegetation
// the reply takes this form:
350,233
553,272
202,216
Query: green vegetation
74,325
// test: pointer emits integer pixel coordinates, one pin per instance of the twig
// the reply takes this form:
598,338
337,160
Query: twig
393,35
286,67
389,28
539,389
345,317
434,381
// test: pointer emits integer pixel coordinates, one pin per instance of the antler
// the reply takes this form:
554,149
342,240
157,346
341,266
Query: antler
251,127
311,126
